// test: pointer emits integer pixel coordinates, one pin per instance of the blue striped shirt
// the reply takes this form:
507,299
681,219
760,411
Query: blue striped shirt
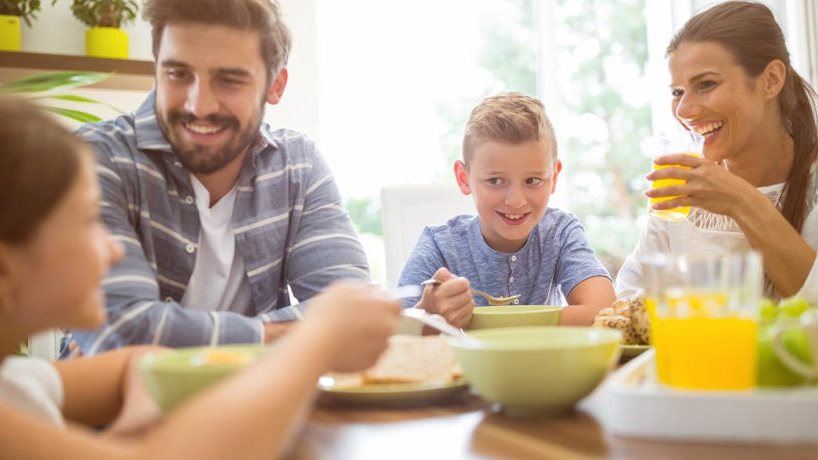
555,258
289,223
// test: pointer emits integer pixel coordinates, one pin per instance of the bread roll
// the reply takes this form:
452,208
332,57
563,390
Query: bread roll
629,316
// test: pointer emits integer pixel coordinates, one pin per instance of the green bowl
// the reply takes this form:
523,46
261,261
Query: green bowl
173,376
537,370
514,315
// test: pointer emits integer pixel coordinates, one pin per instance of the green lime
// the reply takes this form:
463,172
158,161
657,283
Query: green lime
773,373
793,306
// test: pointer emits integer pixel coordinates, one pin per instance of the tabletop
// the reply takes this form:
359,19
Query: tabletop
465,427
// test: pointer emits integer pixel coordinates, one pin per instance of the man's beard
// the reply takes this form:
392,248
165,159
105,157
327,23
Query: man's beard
200,159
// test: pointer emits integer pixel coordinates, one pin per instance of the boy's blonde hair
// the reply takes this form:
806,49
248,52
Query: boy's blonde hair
510,118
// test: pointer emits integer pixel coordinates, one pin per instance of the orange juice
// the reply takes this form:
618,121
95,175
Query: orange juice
679,213
698,345
682,303
657,338
709,353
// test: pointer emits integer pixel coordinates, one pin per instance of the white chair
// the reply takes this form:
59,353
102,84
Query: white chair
406,209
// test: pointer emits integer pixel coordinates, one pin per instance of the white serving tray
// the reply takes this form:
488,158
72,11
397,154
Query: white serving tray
632,403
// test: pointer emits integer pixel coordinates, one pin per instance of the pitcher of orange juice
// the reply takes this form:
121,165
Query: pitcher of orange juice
687,142
703,310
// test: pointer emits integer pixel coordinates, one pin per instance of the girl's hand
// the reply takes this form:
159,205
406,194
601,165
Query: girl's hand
353,321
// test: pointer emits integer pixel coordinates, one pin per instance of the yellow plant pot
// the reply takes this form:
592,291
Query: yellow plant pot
106,42
9,33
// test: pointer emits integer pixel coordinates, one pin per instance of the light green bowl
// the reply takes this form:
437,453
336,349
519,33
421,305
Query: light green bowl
173,376
514,315
537,370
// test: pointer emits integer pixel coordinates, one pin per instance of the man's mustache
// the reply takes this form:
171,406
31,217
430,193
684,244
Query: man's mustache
214,119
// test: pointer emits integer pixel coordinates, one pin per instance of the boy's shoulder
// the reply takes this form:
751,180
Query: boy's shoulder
557,218
457,225
455,230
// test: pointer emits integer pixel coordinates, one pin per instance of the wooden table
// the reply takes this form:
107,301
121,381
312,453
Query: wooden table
466,428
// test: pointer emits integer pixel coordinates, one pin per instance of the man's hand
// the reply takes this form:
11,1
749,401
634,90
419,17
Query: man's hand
452,298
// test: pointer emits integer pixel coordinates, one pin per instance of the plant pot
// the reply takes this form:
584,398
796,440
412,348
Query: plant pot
9,32
106,42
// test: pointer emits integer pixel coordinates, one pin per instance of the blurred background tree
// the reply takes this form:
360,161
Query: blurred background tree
602,55
604,45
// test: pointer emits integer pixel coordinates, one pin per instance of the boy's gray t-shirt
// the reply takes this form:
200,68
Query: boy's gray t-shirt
553,261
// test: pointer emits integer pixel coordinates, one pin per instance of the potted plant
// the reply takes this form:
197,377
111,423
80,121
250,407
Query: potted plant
105,17
11,12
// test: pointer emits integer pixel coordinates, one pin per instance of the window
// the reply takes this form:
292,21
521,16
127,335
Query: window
398,79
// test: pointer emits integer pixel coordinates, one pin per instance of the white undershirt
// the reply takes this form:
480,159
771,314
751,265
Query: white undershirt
218,281
33,385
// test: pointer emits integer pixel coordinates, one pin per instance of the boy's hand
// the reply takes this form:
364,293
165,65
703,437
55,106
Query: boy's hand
452,298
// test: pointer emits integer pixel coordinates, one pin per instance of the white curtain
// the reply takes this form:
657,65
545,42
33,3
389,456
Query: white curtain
811,19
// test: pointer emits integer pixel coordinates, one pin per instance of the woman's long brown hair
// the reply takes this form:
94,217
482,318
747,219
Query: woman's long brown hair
751,34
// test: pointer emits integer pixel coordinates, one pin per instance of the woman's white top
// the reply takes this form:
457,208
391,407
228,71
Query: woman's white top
707,232
32,385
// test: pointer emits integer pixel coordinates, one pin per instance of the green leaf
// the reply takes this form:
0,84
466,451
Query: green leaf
52,80
70,97
74,98
82,117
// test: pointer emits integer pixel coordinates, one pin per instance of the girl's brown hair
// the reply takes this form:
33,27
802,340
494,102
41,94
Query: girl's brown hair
751,34
39,161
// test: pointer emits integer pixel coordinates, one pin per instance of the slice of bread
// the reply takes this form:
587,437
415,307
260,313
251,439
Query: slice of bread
414,359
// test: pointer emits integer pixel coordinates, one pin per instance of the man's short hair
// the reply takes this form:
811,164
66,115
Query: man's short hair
263,16
510,118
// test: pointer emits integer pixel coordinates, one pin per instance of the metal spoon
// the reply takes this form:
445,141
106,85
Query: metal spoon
438,322
492,300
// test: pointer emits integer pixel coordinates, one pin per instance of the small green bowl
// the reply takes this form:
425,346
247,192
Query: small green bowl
537,370
173,376
514,315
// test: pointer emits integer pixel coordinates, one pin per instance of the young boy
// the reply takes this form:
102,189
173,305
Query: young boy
516,244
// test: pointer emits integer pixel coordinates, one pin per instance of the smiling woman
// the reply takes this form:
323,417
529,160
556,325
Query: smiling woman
732,81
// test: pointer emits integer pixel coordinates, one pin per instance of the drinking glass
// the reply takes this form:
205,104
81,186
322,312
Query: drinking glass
703,312
687,142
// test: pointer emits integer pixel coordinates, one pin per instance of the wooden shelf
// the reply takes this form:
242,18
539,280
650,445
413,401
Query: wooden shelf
128,74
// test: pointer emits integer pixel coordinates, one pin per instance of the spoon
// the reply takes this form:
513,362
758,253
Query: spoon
438,322
492,300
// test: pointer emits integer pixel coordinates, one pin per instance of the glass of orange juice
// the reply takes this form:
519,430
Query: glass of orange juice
687,142
703,310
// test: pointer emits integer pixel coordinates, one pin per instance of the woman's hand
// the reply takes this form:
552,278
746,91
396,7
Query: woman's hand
709,185
787,257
